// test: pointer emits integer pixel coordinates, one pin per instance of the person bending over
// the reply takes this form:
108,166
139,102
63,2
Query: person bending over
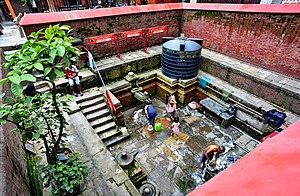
151,112
209,152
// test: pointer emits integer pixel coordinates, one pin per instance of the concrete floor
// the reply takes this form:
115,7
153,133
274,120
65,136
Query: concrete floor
172,163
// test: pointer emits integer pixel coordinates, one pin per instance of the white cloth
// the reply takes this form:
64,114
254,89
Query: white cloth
91,61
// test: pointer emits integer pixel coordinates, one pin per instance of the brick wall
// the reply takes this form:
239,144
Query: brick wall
268,40
266,35
114,24
13,165
90,27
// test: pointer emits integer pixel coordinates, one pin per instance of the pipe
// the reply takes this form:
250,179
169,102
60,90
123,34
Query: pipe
241,106
11,9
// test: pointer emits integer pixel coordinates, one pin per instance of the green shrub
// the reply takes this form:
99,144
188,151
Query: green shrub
64,176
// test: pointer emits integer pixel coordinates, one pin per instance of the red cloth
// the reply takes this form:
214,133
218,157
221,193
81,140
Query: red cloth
69,72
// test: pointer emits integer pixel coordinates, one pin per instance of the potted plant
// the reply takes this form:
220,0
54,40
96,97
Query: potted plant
65,176
42,58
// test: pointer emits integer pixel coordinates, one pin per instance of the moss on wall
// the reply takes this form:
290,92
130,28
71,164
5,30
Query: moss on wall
33,176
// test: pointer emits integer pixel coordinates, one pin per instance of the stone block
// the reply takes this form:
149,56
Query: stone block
118,189
131,188
91,140
243,140
120,176
166,79
187,81
105,164
251,145
101,187
74,107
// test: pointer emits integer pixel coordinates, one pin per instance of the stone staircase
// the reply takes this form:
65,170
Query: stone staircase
95,109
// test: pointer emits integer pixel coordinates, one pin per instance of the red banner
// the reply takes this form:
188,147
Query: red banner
101,38
133,33
155,30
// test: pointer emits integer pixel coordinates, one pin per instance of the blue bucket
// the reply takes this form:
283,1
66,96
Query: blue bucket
204,80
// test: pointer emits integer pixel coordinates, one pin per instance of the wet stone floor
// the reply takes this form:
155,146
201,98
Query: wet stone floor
172,162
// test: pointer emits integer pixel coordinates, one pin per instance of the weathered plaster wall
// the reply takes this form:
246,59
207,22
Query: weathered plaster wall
13,165
268,40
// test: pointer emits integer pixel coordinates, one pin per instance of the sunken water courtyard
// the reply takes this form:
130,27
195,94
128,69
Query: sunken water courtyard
230,91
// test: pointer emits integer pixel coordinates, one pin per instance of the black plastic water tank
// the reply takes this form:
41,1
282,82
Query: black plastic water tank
181,57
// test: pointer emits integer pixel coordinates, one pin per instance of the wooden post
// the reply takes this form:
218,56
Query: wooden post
11,9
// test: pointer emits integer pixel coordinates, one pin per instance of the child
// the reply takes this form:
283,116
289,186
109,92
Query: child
175,125
171,107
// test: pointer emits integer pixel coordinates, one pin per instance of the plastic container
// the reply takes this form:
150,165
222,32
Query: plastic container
158,126
204,80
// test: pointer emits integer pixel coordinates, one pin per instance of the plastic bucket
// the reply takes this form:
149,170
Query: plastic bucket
158,126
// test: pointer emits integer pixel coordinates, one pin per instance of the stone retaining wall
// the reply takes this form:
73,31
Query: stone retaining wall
283,97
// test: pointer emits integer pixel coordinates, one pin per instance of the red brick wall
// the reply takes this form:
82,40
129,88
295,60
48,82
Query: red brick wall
13,165
89,28
268,40
114,24
266,35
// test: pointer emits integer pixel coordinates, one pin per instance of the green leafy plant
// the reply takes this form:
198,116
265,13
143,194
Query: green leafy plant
64,176
41,58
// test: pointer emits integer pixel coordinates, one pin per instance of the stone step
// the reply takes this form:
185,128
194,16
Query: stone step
109,134
114,140
97,115
90,103
44,89
101,121
105,127
94,108
89,96
41,84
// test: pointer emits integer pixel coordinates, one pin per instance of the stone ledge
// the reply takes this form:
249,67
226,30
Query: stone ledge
129,57
246,98
62,83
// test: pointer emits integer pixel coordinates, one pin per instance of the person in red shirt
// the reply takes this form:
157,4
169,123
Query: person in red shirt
73,78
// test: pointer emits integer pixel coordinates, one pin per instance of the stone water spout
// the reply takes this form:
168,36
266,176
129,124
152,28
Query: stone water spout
136,90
